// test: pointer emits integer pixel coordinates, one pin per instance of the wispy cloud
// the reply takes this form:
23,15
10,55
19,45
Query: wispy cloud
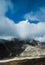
6,25
30,16
4,6
38,15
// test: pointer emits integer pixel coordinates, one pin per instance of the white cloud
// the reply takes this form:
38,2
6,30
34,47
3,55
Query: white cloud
37,30
7,27
23,29
30,30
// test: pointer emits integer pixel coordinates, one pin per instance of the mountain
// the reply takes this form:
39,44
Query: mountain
14,47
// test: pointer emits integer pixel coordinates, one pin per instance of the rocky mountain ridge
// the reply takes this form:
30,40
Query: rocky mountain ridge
14,47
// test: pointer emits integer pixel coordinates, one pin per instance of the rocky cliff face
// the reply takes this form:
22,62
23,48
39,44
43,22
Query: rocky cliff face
15,47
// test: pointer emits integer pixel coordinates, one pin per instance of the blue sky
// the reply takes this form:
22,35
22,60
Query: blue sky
21,7
23,19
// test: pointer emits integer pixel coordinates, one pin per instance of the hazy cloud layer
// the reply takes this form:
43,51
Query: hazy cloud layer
23,29
30,30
